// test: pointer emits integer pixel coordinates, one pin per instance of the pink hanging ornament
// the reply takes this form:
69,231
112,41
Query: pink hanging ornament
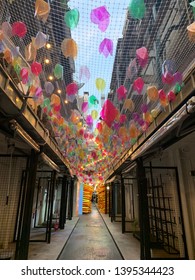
162,94
108,112
122,118
171,96
121,92
84,74
138,85
36,68
132,69
24,75
19,29
84,107
72,89
142,56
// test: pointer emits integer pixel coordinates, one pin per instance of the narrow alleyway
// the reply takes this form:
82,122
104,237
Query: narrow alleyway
90,240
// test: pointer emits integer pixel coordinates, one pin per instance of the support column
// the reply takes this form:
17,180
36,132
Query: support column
23,237
113,203
145,253
106,197
110,199
63,203
71,195
51,198
123,214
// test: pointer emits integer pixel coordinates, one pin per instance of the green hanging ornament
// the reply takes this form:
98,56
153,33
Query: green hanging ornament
58,71
193,8
71,18
137,9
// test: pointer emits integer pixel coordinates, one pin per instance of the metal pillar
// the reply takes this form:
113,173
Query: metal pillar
22,244
123,204
50,212
106,197
63,203
113,202
143,212
71,195
110,199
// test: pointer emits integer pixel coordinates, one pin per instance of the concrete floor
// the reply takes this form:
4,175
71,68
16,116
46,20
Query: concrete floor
88,237
90,240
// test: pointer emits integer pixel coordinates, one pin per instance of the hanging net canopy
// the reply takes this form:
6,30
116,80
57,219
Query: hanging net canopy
100,71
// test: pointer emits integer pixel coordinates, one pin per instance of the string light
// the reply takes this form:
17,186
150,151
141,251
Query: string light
48,46
51,78
47,61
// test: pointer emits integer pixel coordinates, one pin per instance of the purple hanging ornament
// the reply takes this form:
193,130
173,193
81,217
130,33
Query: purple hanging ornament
106,47
101,17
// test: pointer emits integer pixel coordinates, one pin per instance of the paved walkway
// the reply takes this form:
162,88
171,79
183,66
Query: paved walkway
127,244
90,240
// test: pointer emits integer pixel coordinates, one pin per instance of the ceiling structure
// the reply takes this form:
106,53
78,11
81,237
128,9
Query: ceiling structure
97,72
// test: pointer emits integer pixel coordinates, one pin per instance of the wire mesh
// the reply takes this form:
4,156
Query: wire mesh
162,30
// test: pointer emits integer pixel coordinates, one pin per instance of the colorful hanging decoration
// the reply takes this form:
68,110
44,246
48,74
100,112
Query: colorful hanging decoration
72,89
100,84
122,119
178,78
162,94
106,47
101,17
94,114
144,108
30,52
121,93
7,55
171,96
49,87
84,74
138,85
133,131
36,68
58,71
137,9
142,56
69,48
89,120
84,107
93,100
155,112
132,69
24,75
152,93
108,112
42,10
191,32
129,105
168,70
6,29
71,18
19,29
40,40
193,8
